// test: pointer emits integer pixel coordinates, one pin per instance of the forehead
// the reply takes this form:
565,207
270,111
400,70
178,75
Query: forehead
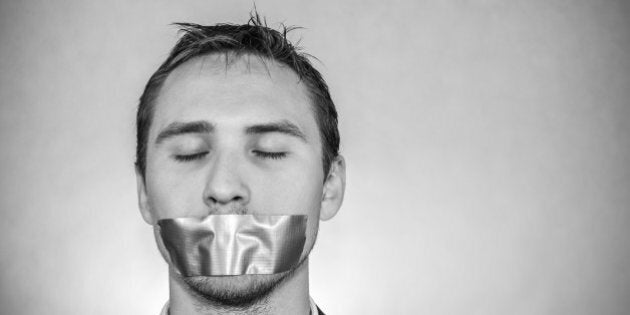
247,89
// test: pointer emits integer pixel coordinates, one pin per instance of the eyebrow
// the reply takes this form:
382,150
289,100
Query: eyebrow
181,128
283,126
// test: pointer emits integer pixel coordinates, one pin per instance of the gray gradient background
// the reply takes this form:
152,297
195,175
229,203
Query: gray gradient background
488,149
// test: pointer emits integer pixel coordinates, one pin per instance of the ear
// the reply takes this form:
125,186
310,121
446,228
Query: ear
143,199
334,188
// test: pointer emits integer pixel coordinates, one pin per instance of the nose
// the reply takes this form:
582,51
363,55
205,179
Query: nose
226,190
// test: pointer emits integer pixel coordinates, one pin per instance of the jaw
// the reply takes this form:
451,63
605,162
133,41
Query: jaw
238,291
245,292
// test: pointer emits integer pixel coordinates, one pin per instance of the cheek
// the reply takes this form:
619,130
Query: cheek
292,193
171,196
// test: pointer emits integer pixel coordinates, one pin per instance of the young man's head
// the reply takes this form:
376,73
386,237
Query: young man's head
237,121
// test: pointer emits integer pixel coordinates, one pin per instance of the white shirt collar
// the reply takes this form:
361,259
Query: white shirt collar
313,306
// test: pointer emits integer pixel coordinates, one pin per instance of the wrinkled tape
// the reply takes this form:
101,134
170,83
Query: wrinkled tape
230,244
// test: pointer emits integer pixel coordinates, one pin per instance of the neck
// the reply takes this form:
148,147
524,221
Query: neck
290,297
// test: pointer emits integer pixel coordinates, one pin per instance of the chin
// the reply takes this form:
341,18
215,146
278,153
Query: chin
238,291
235,291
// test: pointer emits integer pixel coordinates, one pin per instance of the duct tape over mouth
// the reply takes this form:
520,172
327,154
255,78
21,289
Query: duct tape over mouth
231,244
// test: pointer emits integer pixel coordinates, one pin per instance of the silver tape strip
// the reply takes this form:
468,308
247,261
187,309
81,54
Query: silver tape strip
230,244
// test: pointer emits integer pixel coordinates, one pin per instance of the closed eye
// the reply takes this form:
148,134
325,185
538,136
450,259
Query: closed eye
270,155
190,157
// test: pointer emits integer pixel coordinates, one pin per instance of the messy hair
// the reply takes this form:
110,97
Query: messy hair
253,38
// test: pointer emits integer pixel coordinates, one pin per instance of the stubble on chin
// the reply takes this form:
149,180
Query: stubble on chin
240,292
233,291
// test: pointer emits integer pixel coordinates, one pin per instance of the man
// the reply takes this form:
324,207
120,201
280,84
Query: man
237,132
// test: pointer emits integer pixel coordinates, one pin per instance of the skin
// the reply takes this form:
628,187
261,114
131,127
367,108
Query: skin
231,169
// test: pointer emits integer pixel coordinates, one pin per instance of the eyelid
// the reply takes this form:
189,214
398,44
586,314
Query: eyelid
190,157
270,155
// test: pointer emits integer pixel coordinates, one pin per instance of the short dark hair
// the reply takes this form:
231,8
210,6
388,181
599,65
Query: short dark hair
253,38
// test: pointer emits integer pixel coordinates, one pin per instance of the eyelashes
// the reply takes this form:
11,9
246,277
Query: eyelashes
270,155
257,153
190,157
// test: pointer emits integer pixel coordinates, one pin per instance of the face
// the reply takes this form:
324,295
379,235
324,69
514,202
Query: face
235,140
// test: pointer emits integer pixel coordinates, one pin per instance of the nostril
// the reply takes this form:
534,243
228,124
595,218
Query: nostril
235,199
225,186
